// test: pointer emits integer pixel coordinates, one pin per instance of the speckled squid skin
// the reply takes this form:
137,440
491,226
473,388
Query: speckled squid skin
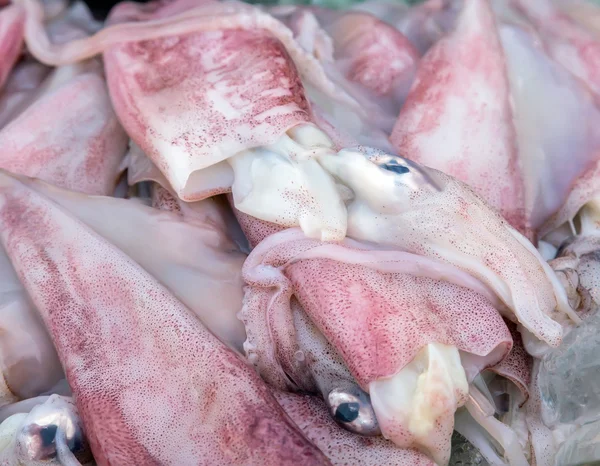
152,385
193,100
458,103
81,150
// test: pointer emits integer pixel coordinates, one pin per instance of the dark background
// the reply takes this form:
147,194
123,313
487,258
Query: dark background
100,8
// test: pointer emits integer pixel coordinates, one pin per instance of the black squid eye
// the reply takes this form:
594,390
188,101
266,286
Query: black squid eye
396,168
347,412
351,408
47,435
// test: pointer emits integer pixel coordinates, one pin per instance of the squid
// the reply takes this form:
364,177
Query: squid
20,89
447,125
398,328
374,282
373,61
129,347
194,256
27,81
423,24
82,151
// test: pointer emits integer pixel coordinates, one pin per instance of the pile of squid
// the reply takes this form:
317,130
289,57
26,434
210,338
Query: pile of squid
238,234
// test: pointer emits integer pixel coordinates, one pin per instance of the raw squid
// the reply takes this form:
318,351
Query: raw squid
194,256
458,104
369,59
423,24
83,149
374,307
21,86
80,151
270,128
403,300
529,170
130,348
428,213
569,44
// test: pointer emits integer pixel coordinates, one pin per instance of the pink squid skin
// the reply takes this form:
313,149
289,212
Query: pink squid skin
342,447
405,313
80,151
458,103
423,24
567,42
208,68
152,385
12,24
374,55
373,307
378,61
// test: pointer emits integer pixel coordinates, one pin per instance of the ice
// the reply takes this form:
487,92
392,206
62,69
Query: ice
581,448
464,453
568,377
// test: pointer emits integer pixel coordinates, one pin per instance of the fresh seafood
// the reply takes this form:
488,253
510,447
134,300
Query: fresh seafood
236,234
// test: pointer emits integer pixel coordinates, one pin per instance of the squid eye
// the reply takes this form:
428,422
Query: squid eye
351,408
51,434
392,167
347,412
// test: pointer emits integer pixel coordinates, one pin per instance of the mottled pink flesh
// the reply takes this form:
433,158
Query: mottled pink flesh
12,23
81,150
193,252
362,311
344,448
370,59
152,385
170,94
374,54
459,102
375,316
423,23
254,228
227,102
